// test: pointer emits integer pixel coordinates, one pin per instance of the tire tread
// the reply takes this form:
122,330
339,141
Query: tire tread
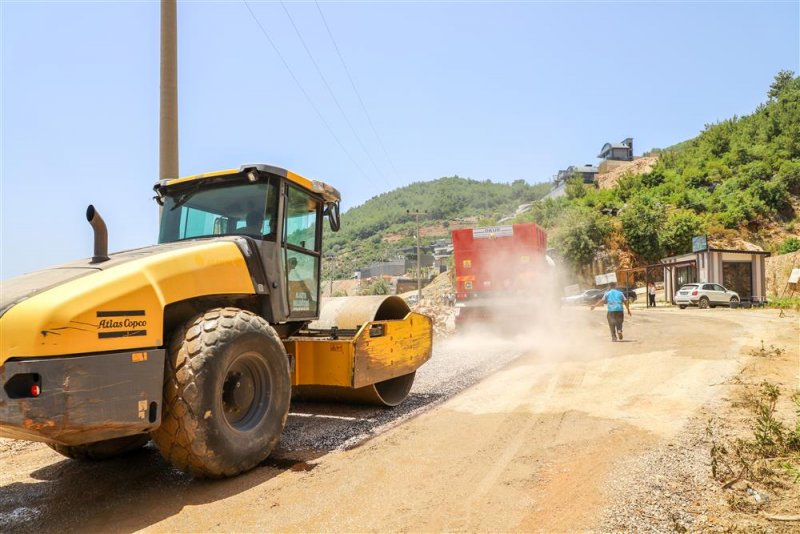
180,438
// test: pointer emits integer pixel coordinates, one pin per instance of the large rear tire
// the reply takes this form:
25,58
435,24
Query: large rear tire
226,394
704,303
102,450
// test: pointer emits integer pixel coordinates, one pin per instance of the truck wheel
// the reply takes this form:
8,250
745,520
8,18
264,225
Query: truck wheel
681,306
226,394
102,450
703,304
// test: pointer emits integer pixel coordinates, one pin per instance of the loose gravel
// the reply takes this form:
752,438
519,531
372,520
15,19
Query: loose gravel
665,489
457,363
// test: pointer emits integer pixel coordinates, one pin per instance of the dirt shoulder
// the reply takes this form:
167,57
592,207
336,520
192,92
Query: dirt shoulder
673,487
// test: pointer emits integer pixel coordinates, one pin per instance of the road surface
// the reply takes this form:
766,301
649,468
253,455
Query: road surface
501,433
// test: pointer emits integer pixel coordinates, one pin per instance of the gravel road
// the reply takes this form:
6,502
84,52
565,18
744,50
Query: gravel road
39,488
454,366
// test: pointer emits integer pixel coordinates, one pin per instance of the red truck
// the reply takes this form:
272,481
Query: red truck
499,269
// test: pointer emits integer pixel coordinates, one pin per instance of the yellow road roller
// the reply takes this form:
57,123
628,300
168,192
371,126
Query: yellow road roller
199,342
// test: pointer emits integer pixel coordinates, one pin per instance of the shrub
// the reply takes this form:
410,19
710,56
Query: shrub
694,177
376,287
790,244
575,188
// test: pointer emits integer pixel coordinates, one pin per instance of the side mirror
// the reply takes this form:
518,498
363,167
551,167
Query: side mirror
332,211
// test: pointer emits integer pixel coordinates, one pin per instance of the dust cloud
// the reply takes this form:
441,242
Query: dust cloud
531,319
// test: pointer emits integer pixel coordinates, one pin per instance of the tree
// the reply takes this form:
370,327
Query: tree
782,81
575,187
642,218
579,235
675,237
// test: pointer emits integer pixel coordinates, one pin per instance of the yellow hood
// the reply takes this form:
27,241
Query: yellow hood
115,305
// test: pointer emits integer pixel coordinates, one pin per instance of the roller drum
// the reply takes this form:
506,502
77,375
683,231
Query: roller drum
352,312
387,393
349,313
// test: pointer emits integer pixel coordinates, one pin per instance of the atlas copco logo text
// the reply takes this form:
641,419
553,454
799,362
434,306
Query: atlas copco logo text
121,323
125,323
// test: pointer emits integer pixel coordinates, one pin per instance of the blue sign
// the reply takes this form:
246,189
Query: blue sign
700,243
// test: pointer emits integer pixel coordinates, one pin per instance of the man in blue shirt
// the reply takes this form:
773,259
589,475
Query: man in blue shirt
615,300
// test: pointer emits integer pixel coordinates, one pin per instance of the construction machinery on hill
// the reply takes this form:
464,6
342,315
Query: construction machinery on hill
199,342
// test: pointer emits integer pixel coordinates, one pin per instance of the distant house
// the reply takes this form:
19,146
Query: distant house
587,172
622,151
390,268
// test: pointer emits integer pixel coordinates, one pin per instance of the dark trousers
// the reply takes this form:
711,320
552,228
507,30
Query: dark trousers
652,299
615,319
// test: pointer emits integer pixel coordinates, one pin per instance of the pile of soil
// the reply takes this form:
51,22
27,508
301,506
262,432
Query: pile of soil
642,165
435,304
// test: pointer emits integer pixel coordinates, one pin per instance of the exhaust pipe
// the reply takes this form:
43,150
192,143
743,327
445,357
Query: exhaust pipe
100,235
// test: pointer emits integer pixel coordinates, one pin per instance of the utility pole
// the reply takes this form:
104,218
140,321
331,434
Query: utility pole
416,215
168,120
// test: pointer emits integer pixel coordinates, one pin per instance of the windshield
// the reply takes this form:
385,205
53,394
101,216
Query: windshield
237,209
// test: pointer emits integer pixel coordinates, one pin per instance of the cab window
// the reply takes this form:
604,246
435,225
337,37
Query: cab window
301,220
301,238
229,209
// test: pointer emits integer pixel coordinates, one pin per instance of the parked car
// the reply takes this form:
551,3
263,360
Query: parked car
593,296
629,293
705,295
587,298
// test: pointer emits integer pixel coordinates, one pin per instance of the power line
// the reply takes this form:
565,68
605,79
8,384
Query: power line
305,93
328,87
355,90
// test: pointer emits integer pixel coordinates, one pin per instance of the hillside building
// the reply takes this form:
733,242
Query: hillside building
587,172
615,155
622,151
397,267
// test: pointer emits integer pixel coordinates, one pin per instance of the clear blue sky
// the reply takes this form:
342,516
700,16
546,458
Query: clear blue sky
485,90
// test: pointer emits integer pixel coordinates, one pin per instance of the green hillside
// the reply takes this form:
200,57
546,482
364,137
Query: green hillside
738,179
381,227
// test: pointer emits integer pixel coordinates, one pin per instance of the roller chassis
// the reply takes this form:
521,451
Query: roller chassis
83,399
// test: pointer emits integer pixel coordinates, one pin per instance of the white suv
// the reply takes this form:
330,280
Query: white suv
705,296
